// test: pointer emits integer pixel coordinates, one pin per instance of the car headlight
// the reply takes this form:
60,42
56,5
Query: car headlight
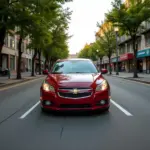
103,86
47,87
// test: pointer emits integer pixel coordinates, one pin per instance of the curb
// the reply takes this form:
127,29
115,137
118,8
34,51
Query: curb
22,81
146,82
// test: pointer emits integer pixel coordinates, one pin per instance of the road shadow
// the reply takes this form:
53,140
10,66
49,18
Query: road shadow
75,114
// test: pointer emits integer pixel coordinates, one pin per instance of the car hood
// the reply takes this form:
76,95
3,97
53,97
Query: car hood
65,79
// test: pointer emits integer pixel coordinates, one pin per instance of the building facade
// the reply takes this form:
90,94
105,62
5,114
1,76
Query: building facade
10,54
126,53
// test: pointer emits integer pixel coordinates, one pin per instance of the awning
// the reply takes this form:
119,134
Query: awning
126,56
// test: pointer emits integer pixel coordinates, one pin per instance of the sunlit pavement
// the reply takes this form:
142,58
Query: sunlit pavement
126,126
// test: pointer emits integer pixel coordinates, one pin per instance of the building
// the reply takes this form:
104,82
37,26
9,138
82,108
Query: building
73,55
126,53
10,54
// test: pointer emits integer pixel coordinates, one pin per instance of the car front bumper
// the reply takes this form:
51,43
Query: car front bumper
91,103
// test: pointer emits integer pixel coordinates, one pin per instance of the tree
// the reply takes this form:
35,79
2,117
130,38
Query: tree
35,20
106,41
6,13
129,19
24,19
58,49
88,51
98,51
24,14
84,52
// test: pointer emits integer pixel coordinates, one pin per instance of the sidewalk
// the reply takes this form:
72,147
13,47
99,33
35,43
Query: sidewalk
26,76
144,78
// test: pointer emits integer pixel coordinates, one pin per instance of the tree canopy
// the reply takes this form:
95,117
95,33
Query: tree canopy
44,21
129,19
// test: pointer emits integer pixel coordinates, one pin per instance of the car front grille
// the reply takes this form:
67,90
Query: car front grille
71,95
68,92
75,106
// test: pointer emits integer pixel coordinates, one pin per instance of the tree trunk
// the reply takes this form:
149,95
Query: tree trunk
45,63
2,38
135,73
19,58
110,71
39,53
50,61
1,46
33,63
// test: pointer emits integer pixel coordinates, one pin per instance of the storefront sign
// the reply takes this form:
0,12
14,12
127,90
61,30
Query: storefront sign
115,59
143,53
126,56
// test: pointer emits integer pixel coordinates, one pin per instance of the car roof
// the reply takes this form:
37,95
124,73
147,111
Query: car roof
74,59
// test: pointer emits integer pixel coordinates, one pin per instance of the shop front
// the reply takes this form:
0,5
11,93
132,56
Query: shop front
106,64
143,60
127,62
4,61
114,64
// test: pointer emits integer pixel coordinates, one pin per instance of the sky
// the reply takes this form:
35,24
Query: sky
86,14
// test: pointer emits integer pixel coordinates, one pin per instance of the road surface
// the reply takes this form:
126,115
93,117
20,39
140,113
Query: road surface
125,127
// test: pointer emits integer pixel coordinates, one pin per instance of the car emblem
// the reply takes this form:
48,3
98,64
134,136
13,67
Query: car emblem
75,91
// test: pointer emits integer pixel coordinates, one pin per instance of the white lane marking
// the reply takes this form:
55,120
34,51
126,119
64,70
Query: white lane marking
31,109
121,108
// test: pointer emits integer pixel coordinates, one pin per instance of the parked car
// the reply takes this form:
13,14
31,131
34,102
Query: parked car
45,71
75,84
4,72
104,71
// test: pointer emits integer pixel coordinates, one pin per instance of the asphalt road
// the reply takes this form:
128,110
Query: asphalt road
125,127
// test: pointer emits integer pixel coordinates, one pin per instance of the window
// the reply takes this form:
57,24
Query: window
6,40
12,62
128,47
25,48
22,47
12,43
74,66
139,43
17,44
122,49
147,40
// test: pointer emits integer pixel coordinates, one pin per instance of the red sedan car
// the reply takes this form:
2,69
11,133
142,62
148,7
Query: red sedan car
45,71
75,84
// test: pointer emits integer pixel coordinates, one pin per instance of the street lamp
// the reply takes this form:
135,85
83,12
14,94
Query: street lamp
116,33
99,60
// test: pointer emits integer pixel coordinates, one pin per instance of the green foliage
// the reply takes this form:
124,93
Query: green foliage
106,42
98,50
89,51
129,19
58,48
36,18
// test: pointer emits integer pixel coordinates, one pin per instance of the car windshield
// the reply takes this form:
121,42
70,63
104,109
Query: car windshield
74,66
